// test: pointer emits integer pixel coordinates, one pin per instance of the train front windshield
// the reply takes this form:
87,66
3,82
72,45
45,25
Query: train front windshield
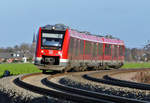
52,40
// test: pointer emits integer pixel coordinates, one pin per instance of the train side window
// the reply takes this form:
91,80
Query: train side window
109,49
88,47
106,49
120,50
74,46
100,49
116,51
81,46
94,50
85,47
88,44
77,47
71,45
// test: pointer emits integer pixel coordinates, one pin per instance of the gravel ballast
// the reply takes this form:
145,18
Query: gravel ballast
79,82
10,93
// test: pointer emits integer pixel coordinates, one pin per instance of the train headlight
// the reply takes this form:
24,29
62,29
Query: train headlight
53,28
42,51
60,53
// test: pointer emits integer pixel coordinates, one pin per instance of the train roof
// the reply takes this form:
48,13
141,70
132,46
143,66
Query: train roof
55,27
84,35
94,38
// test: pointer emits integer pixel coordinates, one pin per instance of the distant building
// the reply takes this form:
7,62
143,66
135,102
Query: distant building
24,59
12,57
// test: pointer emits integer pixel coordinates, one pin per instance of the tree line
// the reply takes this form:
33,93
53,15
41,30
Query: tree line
138,54
25,48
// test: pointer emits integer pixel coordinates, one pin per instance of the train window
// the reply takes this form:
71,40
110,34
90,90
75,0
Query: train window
81,46
94,49
100,49
108,49
116,51
105,49
120,50
88,46
71,45
52,39
76,47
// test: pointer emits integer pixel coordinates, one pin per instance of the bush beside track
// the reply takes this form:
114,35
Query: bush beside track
136,65
16,69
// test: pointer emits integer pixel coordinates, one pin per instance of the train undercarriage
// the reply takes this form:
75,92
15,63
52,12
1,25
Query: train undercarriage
53,63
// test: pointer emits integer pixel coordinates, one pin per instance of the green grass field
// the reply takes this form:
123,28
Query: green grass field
16,69
136,65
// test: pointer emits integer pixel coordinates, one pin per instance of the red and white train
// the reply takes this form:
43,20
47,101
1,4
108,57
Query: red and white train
64,49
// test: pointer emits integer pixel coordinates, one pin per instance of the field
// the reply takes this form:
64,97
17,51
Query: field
16,69
136,65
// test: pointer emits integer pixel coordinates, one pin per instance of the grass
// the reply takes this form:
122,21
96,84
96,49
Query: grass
16,69
136,65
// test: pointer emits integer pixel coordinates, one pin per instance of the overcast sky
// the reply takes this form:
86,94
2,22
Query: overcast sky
128,20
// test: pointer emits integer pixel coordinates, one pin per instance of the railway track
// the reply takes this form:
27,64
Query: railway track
57,90
108,79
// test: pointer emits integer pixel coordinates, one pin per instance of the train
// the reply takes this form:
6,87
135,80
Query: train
60,48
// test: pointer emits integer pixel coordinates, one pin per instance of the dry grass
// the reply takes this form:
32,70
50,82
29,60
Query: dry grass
142,77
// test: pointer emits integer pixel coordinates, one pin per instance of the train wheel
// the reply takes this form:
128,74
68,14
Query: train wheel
44,71
84,68
66,69
105,66
76,69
